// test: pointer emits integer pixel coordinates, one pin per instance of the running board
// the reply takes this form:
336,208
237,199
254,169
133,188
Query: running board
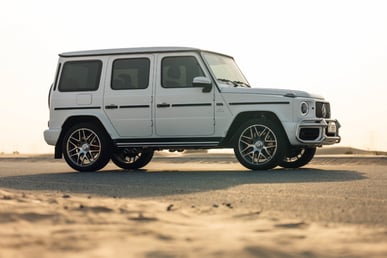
157,143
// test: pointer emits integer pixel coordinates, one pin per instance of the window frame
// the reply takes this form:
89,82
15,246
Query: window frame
56,81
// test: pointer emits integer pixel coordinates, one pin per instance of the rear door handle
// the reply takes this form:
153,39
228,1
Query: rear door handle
111,106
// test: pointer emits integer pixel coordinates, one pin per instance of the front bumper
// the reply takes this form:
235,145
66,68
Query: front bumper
318,131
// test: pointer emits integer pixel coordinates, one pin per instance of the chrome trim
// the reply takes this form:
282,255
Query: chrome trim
321,123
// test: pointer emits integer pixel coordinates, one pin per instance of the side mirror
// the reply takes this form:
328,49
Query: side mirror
202,82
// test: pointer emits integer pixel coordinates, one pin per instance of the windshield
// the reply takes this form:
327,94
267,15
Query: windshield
225,70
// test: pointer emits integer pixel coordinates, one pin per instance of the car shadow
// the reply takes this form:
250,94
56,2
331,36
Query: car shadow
147,183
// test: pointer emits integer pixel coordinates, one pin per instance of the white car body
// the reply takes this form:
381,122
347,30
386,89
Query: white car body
158,117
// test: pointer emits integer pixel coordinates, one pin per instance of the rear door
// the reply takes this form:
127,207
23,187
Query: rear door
128,94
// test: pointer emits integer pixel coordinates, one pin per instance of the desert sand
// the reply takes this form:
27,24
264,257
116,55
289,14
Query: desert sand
47,223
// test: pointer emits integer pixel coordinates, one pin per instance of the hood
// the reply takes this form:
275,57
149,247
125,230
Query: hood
268,91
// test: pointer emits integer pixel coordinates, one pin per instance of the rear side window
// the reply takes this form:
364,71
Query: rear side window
80,76
130,74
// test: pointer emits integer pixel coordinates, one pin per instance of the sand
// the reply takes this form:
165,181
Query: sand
75,225
57,223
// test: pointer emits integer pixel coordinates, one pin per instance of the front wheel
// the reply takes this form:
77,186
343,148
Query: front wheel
86,147
298,158
260,144
132,158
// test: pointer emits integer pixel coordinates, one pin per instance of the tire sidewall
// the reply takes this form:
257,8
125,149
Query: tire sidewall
302,161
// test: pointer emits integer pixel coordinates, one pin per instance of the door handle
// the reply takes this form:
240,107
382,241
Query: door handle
163,105
111,106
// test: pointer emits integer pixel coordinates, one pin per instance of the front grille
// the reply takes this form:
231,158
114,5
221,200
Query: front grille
309,134
323,110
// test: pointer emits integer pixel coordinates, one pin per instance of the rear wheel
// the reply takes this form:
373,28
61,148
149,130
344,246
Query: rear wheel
86,147
260,144
298,158
132,158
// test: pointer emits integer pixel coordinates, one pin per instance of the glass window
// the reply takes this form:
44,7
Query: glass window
80,76
224,68
179,71
130,74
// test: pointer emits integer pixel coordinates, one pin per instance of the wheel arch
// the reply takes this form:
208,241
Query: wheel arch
70,121
242,117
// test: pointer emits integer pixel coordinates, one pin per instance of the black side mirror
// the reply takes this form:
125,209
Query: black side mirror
202,82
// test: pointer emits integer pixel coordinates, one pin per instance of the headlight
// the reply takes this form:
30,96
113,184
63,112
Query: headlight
304,108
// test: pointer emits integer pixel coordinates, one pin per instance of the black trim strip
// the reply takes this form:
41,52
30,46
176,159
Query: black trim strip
219,104
111,107
193,105
135,106
170,140
260,103
168,145
164,105
74,108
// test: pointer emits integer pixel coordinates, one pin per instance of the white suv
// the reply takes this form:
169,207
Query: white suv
124,104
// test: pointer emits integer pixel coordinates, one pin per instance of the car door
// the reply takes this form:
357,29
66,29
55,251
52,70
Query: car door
181,109
128,95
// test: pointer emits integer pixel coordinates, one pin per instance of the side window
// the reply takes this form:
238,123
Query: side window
179,71
130,74
80,76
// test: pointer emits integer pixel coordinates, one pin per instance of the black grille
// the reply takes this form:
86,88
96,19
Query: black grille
309,134
323,110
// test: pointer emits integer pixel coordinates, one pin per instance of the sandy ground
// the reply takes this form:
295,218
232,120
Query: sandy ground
36,221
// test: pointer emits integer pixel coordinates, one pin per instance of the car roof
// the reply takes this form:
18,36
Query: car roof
138,50
122,51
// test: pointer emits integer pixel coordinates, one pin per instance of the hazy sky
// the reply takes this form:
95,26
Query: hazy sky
335,48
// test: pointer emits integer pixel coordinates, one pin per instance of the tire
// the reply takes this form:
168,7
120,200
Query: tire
86,147
298,158
132,158
260,144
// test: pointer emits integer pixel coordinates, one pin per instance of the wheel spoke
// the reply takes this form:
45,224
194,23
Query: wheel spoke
83,147
89,159
73,149
74,141
75,154
79,160
83,132
269,155
250,139
247,147
93,140
247,143
257,144
265,133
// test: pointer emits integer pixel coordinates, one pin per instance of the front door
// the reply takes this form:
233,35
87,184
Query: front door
181,109
128,95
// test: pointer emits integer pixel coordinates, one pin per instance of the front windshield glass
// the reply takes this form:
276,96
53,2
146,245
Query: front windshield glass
225,70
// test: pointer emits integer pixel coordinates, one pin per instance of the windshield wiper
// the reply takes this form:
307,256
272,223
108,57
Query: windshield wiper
235,83
243,83
227,80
